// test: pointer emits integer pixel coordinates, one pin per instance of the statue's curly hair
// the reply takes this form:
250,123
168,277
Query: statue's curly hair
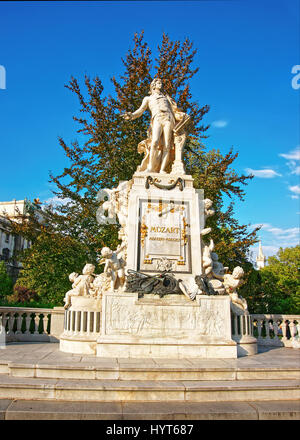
153,84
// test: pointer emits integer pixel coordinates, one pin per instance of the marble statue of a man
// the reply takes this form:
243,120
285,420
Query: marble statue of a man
164,115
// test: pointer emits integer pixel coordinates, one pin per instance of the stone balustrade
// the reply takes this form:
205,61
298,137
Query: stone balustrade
23,324
277,330
45,325
241,325
81,322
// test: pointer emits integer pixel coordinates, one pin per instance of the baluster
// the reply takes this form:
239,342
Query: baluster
298,329
283,328
251,325
95,322
88,325
71,320
27,323
67,320
235,325
292,330
275,327
98,321
19,323
11,320
267,328
241,324
45,324
259,327
246,324
36,323
76,321
3,327
82,322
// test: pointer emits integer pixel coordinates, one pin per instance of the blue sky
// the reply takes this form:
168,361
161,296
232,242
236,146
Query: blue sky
246,53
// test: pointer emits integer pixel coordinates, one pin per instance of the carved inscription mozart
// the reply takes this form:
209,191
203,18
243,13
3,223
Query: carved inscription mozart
164,233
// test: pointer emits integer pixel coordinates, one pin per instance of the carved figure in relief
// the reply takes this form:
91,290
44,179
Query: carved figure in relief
159,146
81,283
232,282
114,266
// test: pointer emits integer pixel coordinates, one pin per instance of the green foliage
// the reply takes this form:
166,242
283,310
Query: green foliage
48,263
22,295
281,281
6,283
276,287
108,155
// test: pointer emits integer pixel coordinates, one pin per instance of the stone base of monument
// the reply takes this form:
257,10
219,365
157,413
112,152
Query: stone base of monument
81,326
125,325
169,327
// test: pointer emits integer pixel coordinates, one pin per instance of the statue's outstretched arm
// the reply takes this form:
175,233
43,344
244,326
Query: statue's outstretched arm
131,116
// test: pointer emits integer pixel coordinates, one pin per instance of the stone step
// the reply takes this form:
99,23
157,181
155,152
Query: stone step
141,370
118,411
147,390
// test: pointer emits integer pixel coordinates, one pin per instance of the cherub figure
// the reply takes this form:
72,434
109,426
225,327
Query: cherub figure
207,211
80,283
100,285
232,282
114,266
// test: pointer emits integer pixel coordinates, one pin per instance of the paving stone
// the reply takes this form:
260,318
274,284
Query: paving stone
47,410
4,404
278,410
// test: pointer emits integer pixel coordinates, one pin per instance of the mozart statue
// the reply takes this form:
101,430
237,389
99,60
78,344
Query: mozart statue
167,130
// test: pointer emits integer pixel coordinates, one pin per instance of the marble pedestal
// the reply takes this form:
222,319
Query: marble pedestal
165,224
170,327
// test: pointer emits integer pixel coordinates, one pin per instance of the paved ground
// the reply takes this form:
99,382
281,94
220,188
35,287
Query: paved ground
48,353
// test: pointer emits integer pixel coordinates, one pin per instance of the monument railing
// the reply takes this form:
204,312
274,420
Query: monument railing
241,325
83,323
276,330
23,324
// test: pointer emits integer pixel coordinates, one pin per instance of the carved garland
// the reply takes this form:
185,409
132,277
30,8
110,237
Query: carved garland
151,181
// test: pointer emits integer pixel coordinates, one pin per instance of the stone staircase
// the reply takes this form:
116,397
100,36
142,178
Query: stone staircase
41,382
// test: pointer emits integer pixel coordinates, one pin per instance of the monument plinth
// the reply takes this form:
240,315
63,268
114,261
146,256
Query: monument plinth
161,224
163,292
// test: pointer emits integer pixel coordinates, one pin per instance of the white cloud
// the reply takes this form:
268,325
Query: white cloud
55,201
279,237
264,174
294,197
220,123
295,189
292,155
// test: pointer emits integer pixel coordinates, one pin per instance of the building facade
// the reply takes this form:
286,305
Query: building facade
10,243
